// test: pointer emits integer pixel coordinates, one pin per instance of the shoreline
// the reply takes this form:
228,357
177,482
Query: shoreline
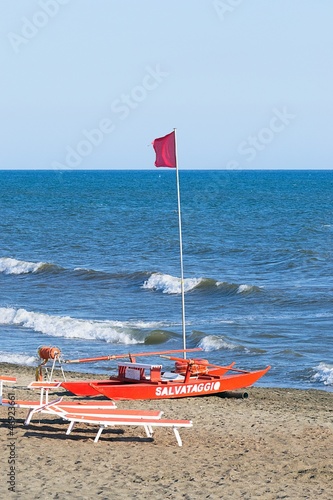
28,374
275,443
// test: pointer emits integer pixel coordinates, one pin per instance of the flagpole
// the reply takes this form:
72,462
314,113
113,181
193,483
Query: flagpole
180,250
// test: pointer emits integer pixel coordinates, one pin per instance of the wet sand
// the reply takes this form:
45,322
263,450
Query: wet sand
277,443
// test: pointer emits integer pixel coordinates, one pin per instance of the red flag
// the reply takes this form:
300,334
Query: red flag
165,149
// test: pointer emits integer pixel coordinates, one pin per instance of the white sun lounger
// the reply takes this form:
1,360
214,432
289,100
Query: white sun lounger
57,408
91,413
6,379
13,402
86,403
44,388
147,423
81,407
35,406
104,421
100,409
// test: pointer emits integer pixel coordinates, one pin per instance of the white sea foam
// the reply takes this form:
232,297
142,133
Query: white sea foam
13,266
245,288
17,359
215,343
324,373
67,327
169,284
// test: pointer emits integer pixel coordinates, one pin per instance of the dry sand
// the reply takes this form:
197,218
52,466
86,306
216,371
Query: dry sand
277,443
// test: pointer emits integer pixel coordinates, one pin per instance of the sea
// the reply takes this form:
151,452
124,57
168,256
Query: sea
90,263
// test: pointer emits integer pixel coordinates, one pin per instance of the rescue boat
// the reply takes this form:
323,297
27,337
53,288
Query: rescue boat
190,377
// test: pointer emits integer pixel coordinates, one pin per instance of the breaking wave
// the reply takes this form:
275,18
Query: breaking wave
169,284
17,359
324,374
115,332
166,283
247,289
216,343
13,266
155,281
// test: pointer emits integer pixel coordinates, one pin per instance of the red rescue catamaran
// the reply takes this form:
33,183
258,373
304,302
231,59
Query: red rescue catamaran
190,377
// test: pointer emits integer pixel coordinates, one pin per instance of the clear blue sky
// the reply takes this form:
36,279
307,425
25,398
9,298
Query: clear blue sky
88,84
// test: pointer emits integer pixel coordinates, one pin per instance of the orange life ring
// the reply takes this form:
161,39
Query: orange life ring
45,352
197,366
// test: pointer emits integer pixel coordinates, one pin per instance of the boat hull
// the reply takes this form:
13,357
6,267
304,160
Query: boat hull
196,386
88,388
82,387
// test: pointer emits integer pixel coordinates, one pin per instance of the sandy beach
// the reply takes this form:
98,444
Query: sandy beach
277,443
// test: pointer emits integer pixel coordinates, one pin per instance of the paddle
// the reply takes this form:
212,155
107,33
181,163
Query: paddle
172,358
119,356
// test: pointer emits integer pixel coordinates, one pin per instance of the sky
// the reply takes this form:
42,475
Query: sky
89,84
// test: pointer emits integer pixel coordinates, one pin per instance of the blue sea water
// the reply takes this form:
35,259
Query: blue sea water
89,262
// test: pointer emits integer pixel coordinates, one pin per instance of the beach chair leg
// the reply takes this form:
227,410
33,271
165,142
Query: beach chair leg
149,431
100,430
38,409
41,398
52,369
63,373
29,416
70,427
179,441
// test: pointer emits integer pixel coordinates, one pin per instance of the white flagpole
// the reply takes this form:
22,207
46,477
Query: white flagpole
180,250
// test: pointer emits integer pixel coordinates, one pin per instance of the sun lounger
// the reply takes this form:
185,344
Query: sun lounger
89,404
104,421
147,423
87,407
44,388
5,380
84,407
106,417
102,414
58,408
42,404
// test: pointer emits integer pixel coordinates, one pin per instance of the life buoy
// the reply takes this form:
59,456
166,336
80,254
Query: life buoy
46,353
196,366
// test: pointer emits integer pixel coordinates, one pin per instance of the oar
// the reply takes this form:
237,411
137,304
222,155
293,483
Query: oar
119,356
172,358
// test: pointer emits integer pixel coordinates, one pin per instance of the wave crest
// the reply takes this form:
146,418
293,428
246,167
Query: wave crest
169,284
17,359
67,327
216,343
324,374
13,266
